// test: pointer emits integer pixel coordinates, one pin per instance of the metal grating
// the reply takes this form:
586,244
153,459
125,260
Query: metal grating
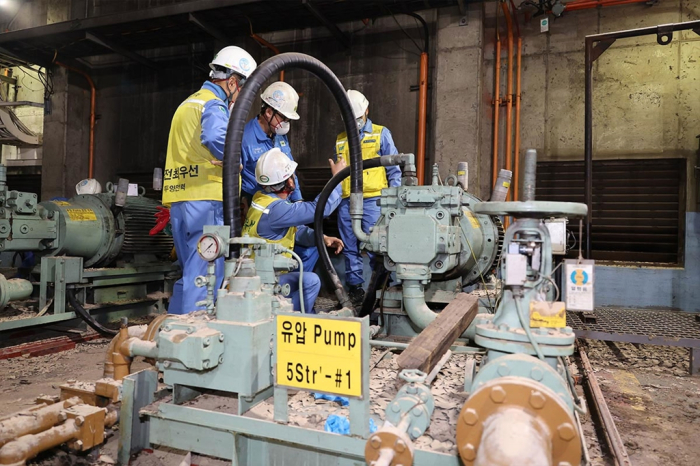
645,326
638,206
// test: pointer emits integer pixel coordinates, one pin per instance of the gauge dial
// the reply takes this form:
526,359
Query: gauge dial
209,247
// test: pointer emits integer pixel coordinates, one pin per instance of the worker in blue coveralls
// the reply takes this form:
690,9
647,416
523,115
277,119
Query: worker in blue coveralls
267,130
192,181
273,217
376,141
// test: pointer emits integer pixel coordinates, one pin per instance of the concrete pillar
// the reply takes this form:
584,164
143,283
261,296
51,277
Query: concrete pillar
457,103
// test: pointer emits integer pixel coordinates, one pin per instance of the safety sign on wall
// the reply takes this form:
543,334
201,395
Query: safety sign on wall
319,354
579,283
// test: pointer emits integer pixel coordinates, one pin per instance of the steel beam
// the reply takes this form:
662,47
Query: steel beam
331,26
8,80
119,18
119,49
205,26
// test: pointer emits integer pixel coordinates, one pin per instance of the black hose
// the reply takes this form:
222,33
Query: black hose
379,277
426,32
318,227
85,315
234,133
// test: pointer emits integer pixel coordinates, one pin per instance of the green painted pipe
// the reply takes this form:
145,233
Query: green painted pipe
14,289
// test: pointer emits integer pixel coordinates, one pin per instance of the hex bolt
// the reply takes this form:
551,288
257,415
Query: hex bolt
568,330
537,399
417,412
221,337
395,407
62,417
537,374
166,364
78,444
206,342
498,394
79,420
375,442
503,369
190,330
416,432
503,327
468,452
423,397
206,364
566,431
166,328
411,389
221,359
470,416
400,446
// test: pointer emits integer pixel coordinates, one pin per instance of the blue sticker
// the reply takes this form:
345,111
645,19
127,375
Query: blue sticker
278,95
244,64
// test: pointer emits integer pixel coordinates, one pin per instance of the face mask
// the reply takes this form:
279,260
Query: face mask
282,128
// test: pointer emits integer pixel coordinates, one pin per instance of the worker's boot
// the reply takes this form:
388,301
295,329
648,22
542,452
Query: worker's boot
356,295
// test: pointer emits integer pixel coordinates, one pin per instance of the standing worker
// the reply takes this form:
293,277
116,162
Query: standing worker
192,181
376,141
266,131
274,218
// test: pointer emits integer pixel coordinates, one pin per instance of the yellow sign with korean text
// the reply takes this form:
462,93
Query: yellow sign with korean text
546,314
319,354
81,215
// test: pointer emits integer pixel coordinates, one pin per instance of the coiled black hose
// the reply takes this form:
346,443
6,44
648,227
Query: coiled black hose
85,315
318,226
234,133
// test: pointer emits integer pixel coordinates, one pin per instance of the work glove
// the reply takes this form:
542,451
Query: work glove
162,221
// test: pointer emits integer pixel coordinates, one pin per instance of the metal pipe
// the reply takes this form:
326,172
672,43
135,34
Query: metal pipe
499,446
93,100
516,149
27,447
509,89
529,175
422,117
585,5
14,289
33,420
496,103
588,141
117,364
502,186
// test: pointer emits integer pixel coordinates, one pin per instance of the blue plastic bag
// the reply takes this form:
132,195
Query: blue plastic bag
341,425
340,399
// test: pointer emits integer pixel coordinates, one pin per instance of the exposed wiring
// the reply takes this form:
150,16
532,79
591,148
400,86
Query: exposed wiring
404,31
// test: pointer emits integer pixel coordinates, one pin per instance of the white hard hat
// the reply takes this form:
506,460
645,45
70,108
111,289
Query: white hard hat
89,186
359,103
283,98
274,167
234,59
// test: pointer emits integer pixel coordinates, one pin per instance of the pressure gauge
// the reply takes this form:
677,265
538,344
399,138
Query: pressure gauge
209,247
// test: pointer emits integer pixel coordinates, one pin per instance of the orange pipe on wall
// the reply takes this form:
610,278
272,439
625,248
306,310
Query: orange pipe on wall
509,92
516,148
585,5
496,108
422,116
93,99
274,49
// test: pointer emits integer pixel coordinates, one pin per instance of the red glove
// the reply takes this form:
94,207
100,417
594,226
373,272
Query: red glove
162,219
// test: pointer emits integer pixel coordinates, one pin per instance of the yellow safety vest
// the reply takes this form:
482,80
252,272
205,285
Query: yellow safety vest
259,207
189,173
374,179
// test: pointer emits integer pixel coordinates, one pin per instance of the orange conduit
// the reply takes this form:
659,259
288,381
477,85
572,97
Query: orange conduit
509,93
93,99
422,117
265,43
585,5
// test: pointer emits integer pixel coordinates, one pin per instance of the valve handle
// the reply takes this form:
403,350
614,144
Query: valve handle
413,376
532,209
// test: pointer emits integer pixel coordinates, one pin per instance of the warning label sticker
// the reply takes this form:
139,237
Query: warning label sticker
81,215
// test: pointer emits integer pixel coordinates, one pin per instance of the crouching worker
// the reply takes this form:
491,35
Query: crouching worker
276,219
